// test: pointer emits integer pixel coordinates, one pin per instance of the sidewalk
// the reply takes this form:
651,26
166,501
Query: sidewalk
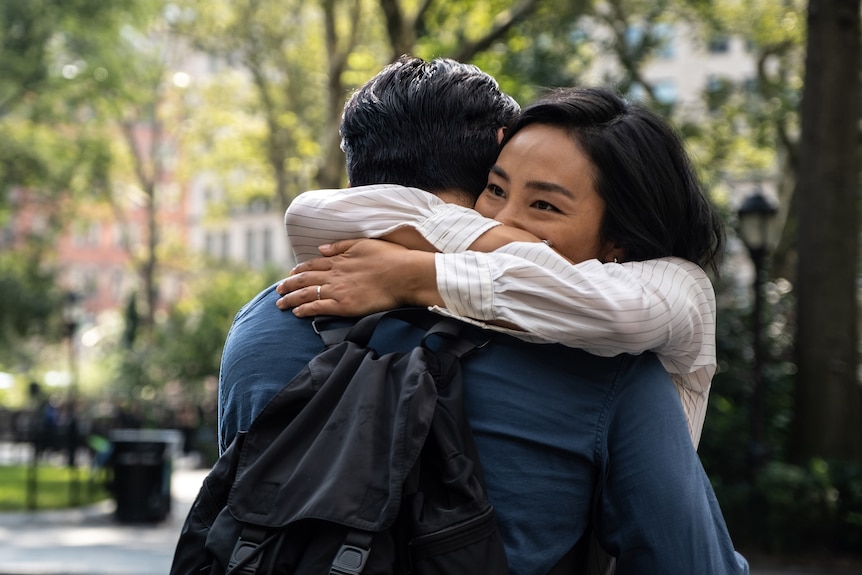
90,541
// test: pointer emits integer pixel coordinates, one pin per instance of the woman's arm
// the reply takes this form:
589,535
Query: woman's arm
359,278
665,305
409,216
660,305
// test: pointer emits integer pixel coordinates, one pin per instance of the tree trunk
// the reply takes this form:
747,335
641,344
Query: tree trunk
828,411
331,171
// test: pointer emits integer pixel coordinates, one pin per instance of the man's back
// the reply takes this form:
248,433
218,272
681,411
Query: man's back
542,454
547,421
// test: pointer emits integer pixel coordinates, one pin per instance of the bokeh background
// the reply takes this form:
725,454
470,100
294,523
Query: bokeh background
148,149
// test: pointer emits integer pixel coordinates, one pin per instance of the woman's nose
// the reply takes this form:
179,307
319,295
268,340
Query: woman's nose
507,216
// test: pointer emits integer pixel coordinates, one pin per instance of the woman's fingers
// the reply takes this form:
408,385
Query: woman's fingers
339,247
299,289
352,283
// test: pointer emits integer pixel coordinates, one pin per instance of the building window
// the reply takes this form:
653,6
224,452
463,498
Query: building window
634,36
117,234
90,282
117,277
666,37
719,44
225,246
267,245
85,234
665,91
250,246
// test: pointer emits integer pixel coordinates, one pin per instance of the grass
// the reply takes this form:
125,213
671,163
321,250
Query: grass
55,488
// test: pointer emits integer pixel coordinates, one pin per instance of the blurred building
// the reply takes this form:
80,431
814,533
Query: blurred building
253,234
687,64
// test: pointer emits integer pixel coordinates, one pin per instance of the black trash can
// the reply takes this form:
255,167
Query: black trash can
142,464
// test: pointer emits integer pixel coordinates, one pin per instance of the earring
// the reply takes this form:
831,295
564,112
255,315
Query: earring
616,261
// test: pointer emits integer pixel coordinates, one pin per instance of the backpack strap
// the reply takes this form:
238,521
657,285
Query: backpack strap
246,555
458,338
332,331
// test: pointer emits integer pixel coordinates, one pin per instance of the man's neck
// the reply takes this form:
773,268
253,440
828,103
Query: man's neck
459,197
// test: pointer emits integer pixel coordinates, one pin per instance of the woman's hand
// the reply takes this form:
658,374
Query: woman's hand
359,277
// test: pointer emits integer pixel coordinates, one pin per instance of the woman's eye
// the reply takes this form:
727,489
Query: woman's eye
545,206
495,190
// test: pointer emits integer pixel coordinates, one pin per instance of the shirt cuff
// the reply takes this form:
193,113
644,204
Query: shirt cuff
452,228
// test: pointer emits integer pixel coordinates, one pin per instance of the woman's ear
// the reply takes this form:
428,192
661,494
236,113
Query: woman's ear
500,133
616,254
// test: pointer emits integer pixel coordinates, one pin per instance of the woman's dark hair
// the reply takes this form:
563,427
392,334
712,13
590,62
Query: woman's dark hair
654,204
430,125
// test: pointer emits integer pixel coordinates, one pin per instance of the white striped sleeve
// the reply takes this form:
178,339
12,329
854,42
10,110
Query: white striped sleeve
323,216
693,389
665,305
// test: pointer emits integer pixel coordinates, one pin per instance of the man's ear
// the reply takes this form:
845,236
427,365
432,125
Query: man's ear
500,133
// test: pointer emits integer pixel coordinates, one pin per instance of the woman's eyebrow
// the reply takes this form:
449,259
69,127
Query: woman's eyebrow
536,184
550,187
495,169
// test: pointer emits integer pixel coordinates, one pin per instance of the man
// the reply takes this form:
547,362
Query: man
548,420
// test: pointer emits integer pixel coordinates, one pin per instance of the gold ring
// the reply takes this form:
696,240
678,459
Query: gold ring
318,292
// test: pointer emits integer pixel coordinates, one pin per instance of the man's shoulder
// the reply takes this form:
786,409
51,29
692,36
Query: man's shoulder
261,322
644,374
256,304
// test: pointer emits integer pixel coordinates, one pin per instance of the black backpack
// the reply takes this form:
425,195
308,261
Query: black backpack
362,464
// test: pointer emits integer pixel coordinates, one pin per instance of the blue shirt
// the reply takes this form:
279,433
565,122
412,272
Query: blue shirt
568,441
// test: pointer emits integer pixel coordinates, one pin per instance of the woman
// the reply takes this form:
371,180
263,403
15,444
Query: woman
606,186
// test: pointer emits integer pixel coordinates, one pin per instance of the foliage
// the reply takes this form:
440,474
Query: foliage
280,49
28,302
29,36
815,509
549,49
186,344
784,507
49,73
53,154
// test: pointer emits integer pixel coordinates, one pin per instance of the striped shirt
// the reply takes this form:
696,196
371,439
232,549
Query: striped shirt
664,305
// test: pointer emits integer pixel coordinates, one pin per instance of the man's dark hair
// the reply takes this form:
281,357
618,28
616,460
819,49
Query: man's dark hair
654,204
430,125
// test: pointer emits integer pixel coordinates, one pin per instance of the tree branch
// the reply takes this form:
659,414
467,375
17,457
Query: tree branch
396,27
503,22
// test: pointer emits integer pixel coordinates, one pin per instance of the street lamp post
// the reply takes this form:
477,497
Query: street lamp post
36,432
71,320
755,216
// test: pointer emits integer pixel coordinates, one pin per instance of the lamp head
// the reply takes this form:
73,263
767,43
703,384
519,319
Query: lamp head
755,216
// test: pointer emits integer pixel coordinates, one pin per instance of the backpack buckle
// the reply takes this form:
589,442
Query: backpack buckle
245,559
350,560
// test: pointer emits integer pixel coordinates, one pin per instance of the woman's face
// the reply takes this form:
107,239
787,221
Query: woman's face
543,183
